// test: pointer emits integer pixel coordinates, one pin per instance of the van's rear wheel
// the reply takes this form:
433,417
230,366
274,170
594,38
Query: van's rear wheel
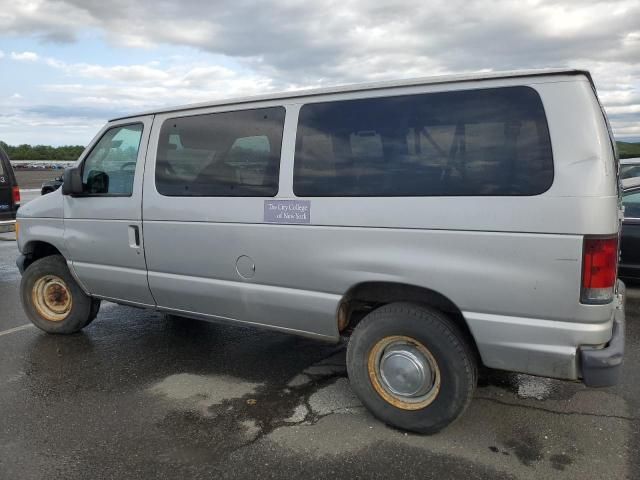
52,299
411,367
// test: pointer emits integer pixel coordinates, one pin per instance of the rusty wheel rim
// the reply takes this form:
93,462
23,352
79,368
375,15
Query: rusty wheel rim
51,298
404,372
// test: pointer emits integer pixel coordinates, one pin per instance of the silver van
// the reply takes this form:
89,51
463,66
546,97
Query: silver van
436,224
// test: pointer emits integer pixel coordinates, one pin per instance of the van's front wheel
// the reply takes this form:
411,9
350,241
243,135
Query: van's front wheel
53,300
411,367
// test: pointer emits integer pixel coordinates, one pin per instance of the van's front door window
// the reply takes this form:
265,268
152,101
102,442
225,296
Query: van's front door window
111,165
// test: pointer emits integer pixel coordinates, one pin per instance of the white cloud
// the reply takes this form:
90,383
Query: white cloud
24,56
1,54
135,87
309,40
56,21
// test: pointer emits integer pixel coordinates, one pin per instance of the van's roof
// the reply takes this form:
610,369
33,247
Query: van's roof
369,86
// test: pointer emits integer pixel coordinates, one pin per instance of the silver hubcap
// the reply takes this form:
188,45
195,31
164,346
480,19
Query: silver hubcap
405,371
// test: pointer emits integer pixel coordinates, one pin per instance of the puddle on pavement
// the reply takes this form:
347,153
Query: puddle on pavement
200,392
256,409
319,390
530,450
204,406
526,447
527,386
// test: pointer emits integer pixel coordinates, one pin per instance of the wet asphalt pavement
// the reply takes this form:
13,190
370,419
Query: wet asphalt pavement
139,395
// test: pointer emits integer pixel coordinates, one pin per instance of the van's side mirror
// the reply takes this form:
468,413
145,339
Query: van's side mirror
72,181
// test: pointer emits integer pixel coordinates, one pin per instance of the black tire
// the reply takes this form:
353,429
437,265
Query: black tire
455,360
82,308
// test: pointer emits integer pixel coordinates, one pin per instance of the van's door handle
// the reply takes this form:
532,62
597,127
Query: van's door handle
134,236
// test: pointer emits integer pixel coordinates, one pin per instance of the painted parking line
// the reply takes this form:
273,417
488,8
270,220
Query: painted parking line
16,329
29,190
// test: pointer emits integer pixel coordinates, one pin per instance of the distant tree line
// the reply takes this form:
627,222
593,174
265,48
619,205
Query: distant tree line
628,150
72,152
42,152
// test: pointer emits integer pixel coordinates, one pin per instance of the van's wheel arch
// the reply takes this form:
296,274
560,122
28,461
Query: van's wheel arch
412,367
53,300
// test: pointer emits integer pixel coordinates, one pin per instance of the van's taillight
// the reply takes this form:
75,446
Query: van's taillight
16,195
599,268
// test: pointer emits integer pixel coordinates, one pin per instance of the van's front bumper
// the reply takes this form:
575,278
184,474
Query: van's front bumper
602,367
7,226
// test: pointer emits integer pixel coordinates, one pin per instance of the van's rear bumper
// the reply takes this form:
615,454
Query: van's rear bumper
7,226
602,367
579,351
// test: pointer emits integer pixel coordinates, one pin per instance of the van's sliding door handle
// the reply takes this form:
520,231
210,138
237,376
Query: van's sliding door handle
134,236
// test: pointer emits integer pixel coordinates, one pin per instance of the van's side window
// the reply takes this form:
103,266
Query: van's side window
473,142
221,154
110,167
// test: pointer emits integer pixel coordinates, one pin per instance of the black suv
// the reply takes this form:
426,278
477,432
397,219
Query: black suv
9,195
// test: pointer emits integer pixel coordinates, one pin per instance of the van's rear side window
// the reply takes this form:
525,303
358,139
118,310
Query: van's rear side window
227,154
473,142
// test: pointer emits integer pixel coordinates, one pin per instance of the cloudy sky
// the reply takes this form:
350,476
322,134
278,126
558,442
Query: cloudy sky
66,66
